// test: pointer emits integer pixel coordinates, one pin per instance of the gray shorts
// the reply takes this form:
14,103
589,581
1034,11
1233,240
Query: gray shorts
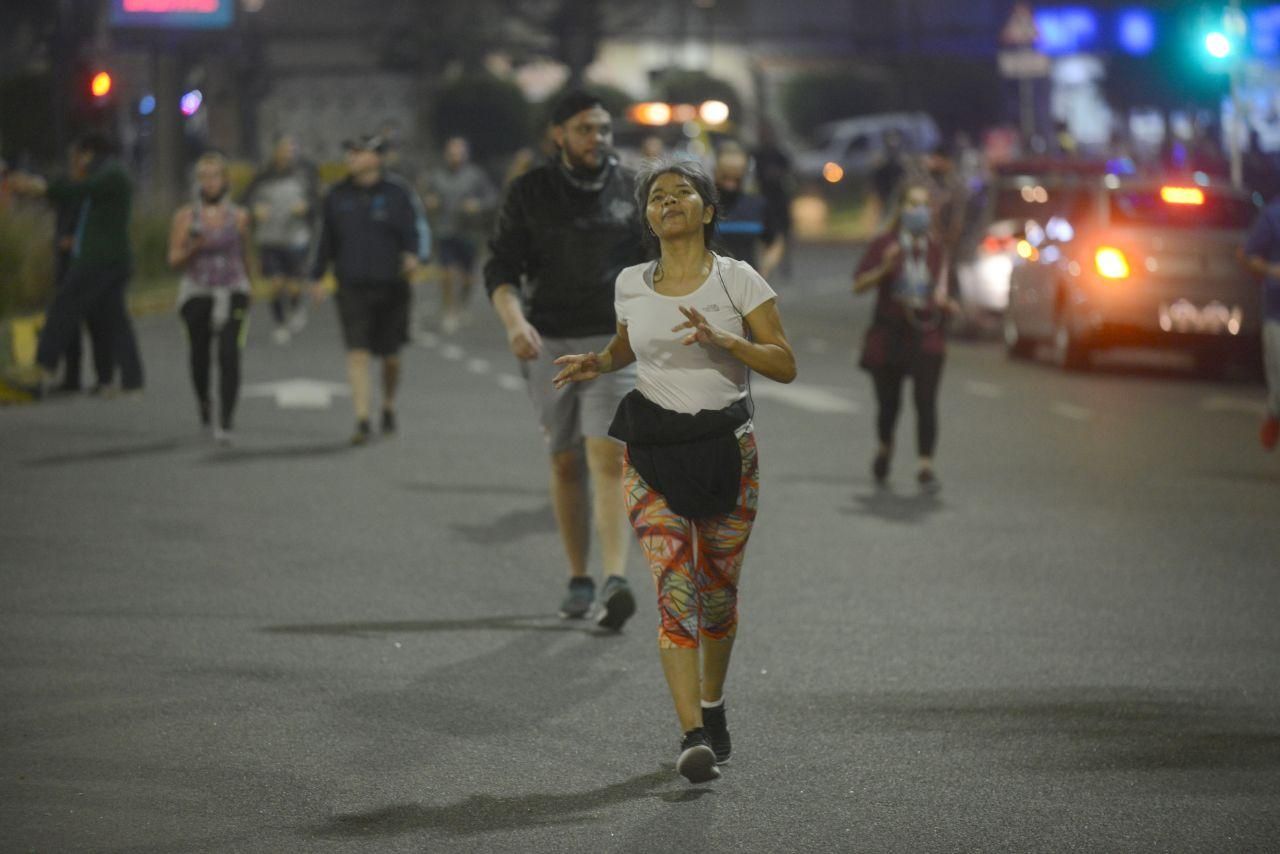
578,409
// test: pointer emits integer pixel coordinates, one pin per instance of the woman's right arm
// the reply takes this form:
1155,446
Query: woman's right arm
870,278
180,237
582,367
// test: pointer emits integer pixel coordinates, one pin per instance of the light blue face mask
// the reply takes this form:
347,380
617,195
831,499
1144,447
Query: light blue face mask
916,220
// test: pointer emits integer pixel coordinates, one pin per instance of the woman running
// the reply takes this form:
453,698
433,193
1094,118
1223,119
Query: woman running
696,324
207,242
904,266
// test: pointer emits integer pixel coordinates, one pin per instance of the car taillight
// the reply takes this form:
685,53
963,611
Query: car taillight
993,245
1111,263
1182,195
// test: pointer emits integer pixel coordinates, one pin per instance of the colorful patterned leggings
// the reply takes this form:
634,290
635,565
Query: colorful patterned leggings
697,593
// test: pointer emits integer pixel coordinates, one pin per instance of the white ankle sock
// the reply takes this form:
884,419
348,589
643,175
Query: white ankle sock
714,705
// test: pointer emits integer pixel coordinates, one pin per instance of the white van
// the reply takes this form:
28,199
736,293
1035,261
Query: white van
857,145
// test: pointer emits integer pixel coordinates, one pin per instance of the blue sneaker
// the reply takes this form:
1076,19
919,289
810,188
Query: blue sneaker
577,603
619,604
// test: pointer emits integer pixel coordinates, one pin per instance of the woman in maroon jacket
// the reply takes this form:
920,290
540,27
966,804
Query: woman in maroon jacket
904,266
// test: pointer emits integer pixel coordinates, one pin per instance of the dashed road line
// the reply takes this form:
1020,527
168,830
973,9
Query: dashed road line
478,366
1223,403
453,352
1071,411
808,398
990,391
510,382
427,339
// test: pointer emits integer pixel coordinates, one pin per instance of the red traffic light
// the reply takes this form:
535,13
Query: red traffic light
100,84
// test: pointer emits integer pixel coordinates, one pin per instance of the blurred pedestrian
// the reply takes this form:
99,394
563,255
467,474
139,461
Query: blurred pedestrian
567,228
747,229
374,231
461,196
887,177
777,185
209,242
282,198
696,324
1262,254
98,273
66,216
904,266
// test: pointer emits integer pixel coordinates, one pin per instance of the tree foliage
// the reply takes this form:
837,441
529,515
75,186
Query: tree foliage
490,112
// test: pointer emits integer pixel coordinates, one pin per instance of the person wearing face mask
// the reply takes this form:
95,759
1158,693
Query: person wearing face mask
208,242
904,266
564,232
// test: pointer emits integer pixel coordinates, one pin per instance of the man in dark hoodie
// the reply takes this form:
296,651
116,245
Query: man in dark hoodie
565,231
100,264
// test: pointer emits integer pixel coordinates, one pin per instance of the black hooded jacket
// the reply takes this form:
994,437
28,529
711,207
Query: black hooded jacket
566,243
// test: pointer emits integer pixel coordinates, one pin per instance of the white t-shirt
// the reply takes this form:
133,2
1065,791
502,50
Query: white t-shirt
692,377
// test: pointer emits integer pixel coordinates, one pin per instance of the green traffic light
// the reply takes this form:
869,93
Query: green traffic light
1218,45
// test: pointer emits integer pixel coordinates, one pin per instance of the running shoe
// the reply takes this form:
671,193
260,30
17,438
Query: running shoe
363,432
281,335
1270,432
577,602
697,761
619,604
222,435
388,422
928,481
717,730
298,320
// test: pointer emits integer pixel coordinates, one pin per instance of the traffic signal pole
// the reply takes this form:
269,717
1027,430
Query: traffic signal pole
167,153
1235,25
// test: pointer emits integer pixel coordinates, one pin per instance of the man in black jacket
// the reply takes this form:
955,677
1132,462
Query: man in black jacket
375,232
566,229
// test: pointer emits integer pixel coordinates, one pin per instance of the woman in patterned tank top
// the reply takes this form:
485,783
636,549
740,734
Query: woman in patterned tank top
208,242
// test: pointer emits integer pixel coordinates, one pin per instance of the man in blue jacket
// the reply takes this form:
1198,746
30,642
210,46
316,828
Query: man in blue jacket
374,231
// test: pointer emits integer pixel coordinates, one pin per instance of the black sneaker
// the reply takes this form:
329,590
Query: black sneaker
363,432
717,729
388,422
928,481
619,604
880,468
578,601
697,761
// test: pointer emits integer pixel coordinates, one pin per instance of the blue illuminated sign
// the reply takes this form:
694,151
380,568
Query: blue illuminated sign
1066,29
1136,32
1264,31
173,14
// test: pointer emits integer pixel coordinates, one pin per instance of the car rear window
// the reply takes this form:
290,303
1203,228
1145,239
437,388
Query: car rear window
1039,202
1148,208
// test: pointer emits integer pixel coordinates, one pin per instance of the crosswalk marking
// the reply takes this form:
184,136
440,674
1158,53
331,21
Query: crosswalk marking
991,391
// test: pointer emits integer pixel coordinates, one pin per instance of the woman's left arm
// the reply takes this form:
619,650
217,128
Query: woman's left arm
767,352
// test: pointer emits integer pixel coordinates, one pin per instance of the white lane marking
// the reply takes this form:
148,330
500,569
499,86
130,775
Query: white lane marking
1070,410
452,352
1223,403
299,393
428,339
809,398
817,345
478,366
510,382
991,391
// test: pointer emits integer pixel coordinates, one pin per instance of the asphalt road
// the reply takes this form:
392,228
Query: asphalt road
290,645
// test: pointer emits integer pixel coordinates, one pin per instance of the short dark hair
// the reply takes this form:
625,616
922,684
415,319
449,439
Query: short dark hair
572,103
96,143
693,172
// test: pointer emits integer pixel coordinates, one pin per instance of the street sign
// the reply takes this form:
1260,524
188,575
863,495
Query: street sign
1023,64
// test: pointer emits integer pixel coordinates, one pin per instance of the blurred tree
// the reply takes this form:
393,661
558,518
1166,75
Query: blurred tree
615,101
490,112
812,98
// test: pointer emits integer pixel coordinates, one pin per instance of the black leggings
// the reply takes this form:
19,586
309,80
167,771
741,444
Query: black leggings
197,313
925,378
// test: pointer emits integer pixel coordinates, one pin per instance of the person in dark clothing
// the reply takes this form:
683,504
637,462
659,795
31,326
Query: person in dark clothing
904,266
887,177
66,216
747,229
777,185
566,229
100,266
374,231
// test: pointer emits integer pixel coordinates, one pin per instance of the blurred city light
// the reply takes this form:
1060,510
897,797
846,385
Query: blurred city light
1066,29
1111,263
684,113
147,105
832,172
653,113
714,112
191,102
1182,195
101,84
1218,45
1136,32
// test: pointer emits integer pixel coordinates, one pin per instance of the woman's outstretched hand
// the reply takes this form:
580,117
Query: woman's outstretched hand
704,331
577,369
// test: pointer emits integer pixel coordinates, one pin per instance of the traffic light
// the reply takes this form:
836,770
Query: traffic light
100,85
1217,44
